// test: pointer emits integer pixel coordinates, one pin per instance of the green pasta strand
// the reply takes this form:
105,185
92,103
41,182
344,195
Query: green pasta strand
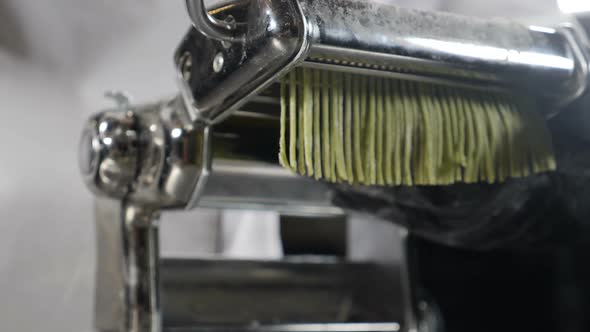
307,129
380,131
317,143
409,137
301,125
379,135
389,132
326,147
505,115
493,140
427,144
357,132
470,141
457,115
370,160
283,160
398,133
447,168
338,128
293,121
348,126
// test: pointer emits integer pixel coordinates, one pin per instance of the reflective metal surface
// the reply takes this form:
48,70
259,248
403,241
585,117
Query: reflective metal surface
127,273
170,155
136,291
275,39
243,184
175,156
156,157
447,48
580,82
108,151
325,327
374,38
150,154
253,294
440,45
210,26
407,287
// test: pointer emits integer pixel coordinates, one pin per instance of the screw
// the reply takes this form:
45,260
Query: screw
231,25
231,22
218,62
186,64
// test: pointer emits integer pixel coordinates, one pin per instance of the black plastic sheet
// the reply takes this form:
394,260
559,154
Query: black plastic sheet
538,211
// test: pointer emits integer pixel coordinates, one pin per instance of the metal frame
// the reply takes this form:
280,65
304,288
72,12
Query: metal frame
128,279
275,36
127,274
140,160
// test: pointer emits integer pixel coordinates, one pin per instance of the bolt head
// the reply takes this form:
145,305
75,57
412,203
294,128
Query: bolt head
218,62
108,153
186,65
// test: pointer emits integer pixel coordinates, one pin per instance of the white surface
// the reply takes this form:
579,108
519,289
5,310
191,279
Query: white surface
56,59
70,53
46,250
573,6
251,235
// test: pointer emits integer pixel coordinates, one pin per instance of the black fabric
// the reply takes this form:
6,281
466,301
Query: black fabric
507,290
537,211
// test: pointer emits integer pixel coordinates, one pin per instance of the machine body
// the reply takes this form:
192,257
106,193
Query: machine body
142,160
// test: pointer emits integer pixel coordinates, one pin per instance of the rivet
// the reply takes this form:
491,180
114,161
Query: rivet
218,62
186,64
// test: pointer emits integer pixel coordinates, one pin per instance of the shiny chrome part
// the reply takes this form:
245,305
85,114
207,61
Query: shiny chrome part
397,42
276,40
151,155
409,297
254,185
285,291
221,30
136,291
127,273
218,62
342,327
108,153
450,49
175,156
186,63
579,84
421,313
457,83
320,327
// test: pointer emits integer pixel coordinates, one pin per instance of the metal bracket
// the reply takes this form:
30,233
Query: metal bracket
222,76
127,273
221,30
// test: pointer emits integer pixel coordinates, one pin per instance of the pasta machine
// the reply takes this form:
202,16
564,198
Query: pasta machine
215,145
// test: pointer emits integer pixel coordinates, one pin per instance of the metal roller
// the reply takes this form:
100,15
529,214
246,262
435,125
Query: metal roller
152,155
220,69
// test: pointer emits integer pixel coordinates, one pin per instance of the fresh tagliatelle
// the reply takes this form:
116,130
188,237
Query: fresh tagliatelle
342,127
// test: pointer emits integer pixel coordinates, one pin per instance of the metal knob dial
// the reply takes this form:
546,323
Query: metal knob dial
108,153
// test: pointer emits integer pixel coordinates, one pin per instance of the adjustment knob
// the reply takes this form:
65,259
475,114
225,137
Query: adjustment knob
108,153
